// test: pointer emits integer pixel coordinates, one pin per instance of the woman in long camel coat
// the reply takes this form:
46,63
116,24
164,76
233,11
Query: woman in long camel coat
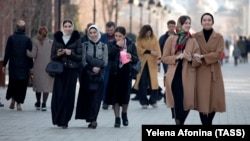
210,85
181,75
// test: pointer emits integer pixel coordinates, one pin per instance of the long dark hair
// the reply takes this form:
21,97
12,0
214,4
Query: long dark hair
144,30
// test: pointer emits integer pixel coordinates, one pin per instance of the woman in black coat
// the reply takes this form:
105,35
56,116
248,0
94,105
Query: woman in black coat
67,49
19,65
120,78
92,77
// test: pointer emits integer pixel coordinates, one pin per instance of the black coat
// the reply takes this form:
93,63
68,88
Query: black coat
114,55
15,54
74,44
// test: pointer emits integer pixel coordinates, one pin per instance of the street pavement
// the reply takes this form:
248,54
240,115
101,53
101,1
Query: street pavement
33,125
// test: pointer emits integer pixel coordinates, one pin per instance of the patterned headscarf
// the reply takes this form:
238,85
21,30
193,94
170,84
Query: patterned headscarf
182,37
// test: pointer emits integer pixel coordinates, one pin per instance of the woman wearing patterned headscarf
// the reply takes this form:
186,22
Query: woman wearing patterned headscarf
180,78
95,58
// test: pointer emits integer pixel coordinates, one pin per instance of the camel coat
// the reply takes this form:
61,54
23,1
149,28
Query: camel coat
188,71
42,82
210,85
142,46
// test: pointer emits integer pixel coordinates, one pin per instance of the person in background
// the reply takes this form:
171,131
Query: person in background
19,65
67,49
42,82
107,37
227,51
210,92
149,53
181,75
1,105
122,55
171,25
90,92
236,55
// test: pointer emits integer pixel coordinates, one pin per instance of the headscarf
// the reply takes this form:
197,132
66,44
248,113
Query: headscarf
182,37
98,32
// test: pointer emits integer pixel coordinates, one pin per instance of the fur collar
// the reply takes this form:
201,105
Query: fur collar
74,36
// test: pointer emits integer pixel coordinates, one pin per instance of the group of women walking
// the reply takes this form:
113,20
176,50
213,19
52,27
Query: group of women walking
193,80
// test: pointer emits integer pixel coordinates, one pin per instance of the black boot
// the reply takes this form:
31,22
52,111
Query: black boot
93,125
117,122
124,119
204,119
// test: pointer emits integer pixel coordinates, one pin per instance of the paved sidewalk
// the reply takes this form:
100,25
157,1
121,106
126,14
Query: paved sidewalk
33,125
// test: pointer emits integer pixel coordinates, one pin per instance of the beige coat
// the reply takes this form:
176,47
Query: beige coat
42,82
142,46
188,71
210,85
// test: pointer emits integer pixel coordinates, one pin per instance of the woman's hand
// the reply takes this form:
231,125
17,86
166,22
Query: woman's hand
68,51
96,69
198,57
129,56
154,53
120,43
60,52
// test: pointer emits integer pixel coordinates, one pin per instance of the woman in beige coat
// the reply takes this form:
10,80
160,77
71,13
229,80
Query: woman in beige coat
42,82
210,85
180,78
149,53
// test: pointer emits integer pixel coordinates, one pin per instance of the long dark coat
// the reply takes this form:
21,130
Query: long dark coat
64,89
19,65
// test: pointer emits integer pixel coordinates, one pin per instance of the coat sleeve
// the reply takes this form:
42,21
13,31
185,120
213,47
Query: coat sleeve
213,57
33,52
167,57
7,52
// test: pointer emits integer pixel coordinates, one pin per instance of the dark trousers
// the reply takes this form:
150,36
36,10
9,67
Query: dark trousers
143,85
207,119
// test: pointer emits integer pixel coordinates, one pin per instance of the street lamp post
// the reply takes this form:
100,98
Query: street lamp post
59,15
130,17
141,8
151,2
94,12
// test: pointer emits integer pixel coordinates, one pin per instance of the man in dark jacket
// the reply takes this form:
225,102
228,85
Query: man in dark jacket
106,38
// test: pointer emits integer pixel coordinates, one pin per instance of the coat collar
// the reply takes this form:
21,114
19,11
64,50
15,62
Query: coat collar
75,36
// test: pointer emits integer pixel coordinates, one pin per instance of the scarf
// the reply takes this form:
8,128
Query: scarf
182,40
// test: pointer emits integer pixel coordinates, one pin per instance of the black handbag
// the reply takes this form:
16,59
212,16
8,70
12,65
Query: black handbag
54,67
136,68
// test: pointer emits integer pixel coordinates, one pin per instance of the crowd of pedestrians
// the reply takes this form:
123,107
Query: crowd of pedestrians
102,64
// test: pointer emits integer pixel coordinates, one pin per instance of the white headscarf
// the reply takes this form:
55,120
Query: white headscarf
98,32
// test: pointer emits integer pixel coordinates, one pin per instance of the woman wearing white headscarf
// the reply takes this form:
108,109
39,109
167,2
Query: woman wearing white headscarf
67,49
94,59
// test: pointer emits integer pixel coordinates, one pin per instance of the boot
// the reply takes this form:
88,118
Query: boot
18,107
117,122
124,119
12,104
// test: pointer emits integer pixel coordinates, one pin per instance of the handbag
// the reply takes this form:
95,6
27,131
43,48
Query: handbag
54,67
136,68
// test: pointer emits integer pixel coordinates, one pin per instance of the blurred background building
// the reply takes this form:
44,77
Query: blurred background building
231,16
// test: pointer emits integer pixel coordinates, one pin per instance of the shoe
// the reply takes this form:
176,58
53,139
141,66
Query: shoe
64,126
105,106
12,104
1,105
154,105
44,107
93,125
18,107
144,106
124,119
37,105
135,98
117,122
